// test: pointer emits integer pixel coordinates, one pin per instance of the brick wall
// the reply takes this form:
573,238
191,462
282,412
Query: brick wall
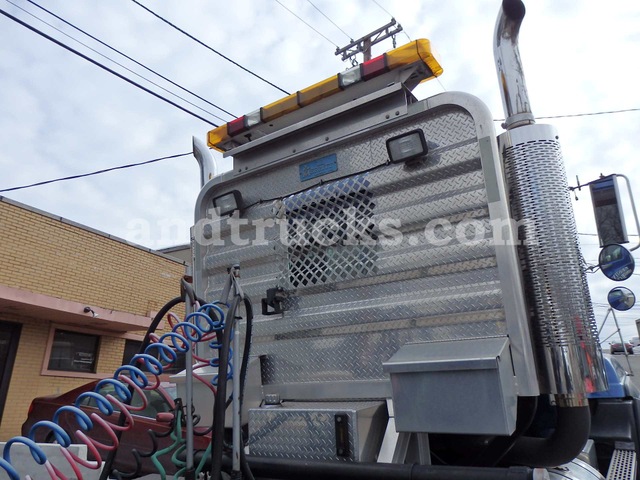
45,255
54,257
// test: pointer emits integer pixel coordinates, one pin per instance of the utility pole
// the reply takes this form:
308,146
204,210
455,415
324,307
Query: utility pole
363,45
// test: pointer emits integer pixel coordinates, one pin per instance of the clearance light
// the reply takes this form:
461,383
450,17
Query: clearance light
228,203
237,126
407,146
415,52
217,136
253,118
374,67
349,77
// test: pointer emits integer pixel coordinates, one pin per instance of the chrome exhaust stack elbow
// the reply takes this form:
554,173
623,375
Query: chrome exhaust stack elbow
515,99
208,167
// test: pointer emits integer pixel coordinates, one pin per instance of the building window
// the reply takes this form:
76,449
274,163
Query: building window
74,352
177,366
132,347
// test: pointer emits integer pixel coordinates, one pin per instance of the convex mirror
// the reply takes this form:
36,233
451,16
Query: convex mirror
621,298
616,262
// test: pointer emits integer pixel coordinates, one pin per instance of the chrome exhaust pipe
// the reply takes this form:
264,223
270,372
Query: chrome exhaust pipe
563,324
515,99
208,167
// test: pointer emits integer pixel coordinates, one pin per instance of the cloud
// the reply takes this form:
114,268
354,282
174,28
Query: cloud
59,115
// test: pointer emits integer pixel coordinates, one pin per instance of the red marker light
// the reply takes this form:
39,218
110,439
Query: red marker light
236,126
374,67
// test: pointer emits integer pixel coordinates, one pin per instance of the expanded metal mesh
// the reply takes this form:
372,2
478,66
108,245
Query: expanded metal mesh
330,233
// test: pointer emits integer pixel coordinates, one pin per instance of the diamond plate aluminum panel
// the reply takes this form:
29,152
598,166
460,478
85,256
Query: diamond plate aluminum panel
304,430
408,298
409,256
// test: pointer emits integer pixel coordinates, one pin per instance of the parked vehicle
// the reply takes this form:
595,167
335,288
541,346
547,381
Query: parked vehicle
621,401
155,417
616,348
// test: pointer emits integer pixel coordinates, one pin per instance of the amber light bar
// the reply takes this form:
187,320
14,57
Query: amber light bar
416,51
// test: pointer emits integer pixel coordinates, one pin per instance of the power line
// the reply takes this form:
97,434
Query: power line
208,47
97,172
111,59
607,112
595,234
387,12
409,38
592,113
382,8
307,24
104,67
332,22
133,60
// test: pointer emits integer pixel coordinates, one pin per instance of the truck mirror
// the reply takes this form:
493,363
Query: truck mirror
608,211
616,262
621,298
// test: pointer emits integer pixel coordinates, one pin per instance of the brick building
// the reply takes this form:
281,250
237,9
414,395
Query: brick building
74,302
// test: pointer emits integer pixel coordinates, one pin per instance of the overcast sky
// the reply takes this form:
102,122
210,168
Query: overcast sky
61,115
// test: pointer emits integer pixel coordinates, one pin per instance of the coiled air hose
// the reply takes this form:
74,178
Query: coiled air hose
128,381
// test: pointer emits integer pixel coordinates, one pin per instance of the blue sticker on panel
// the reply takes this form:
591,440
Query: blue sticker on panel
317,168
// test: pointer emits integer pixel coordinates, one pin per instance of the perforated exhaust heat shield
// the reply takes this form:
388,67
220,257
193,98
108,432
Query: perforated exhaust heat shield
563,323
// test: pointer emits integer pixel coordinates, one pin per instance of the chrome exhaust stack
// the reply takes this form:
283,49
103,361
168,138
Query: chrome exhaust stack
563,324
515,99
206,162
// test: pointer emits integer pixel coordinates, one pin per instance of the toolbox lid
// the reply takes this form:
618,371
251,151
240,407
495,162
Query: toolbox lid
473,354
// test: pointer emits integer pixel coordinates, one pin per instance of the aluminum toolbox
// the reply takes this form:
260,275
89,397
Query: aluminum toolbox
347,431
465,386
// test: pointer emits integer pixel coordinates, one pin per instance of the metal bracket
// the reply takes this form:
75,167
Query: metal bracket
272,305
363,45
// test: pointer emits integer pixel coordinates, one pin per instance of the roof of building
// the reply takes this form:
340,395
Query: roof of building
161,252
